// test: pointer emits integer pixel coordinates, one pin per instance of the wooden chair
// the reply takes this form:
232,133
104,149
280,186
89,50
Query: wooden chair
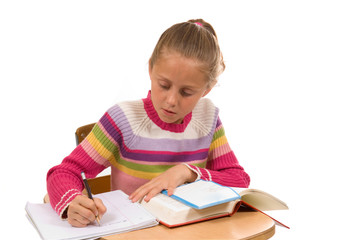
82,132
98,184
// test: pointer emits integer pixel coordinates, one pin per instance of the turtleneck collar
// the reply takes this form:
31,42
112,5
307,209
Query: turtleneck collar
153,115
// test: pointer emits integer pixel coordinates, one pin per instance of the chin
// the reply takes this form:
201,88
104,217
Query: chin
167,120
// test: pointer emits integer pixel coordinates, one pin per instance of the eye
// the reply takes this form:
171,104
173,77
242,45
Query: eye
186,93
164,85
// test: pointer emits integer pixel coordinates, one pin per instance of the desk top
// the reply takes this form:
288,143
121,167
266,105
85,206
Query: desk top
242,225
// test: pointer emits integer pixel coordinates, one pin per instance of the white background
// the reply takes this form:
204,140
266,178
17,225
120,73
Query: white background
289,98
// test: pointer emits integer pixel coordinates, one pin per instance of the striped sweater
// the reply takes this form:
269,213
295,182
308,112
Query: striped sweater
138,146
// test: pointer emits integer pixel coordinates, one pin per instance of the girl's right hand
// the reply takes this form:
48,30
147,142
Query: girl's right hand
83,211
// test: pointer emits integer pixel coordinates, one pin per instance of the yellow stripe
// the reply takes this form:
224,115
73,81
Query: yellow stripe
101,150
218,142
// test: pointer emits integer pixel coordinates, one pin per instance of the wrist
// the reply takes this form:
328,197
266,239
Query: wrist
191,174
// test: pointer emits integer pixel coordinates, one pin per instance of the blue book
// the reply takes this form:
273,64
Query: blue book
203,194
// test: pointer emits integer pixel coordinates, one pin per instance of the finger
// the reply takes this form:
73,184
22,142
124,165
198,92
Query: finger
76,223
90,205
136,196
152,193
84,207
100,206
140,192
170,191
76,219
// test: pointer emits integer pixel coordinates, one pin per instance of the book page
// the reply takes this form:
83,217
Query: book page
202,194
121,210
260,199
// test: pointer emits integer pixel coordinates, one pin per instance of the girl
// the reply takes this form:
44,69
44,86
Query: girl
171,137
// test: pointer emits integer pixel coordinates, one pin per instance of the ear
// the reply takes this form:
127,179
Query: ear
206,92
209,88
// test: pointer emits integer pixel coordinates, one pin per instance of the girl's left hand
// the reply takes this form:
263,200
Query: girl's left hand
168,180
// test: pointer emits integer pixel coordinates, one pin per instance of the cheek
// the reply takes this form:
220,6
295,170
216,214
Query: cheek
189,104
157,97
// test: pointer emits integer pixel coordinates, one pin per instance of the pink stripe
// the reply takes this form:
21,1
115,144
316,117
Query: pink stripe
221,150
94,155
219,127
170,153
161,163
125,182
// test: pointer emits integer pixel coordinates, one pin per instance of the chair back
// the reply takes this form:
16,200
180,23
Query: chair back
82,132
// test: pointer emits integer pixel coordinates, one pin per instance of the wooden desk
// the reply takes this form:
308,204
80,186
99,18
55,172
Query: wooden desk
242,225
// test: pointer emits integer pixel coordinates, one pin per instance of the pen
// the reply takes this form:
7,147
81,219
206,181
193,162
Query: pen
85,181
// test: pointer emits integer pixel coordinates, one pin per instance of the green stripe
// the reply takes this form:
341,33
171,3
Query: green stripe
218,134
201,165
144,168
105,141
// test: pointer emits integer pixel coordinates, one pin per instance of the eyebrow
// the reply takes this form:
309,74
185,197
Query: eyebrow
162,78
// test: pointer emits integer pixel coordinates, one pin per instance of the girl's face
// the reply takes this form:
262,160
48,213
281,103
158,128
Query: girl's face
177,85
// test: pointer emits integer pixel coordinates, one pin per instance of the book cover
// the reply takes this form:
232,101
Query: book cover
203,194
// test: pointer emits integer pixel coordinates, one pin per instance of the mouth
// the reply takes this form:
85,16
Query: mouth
168,112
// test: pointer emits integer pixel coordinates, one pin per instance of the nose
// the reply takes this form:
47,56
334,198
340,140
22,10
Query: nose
172,99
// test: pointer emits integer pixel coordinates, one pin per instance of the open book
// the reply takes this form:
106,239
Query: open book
204,200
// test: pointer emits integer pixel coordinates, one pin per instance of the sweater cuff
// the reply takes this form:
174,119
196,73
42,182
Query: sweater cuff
64,202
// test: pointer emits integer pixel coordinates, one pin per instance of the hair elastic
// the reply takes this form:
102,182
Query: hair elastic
199,24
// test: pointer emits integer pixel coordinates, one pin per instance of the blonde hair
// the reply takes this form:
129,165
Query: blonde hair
195,39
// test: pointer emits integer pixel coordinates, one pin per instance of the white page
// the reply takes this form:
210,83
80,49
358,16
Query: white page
201,194
122,215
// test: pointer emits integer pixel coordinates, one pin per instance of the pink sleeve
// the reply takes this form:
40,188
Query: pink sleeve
222,165
64,181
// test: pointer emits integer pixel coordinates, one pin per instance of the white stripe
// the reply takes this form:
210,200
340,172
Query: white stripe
61,200
210,176
65,203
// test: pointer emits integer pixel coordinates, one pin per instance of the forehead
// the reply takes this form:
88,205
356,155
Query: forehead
172,66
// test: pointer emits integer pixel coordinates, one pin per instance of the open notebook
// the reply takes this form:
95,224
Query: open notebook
122,216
